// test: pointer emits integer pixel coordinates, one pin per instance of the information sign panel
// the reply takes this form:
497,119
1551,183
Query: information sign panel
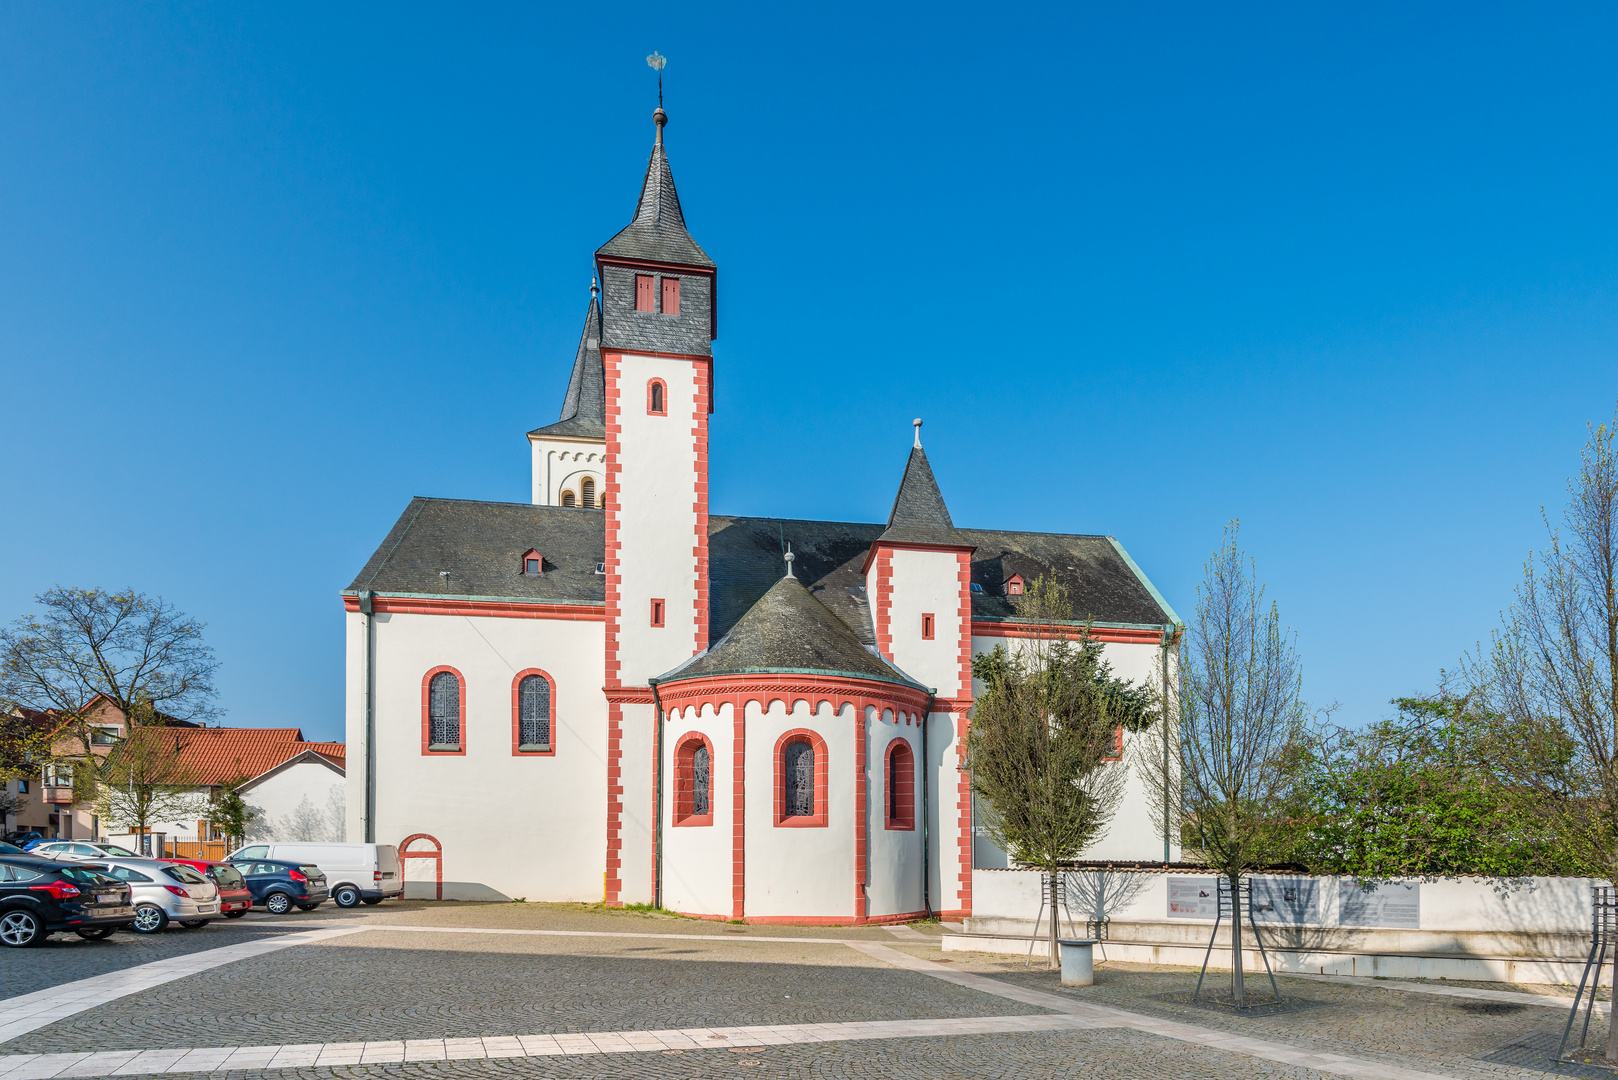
1396,905
1193,898
1291,900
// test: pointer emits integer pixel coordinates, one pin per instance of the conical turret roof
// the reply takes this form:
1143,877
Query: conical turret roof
657,233
584,410
790,632
919,515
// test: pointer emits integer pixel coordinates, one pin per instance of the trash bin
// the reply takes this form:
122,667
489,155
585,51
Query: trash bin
1078,964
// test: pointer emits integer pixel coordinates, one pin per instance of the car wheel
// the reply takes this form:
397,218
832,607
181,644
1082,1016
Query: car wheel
278,903
192,924
347,896
234,914
96,933
20,929
372,901
149,919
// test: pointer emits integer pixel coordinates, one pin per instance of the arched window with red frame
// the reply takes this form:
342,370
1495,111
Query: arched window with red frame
657,398
443,711
899,786
693,780
533,713
800,780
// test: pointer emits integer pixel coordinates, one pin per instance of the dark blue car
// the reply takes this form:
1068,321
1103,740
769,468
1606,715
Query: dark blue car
281,886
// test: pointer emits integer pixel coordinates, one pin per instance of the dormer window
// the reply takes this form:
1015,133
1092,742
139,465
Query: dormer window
532,564
1014,585
645,295
976,587
601,569
671,296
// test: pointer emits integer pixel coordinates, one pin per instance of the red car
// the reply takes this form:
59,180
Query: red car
235,898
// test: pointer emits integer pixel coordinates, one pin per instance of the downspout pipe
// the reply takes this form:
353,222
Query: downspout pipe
1163,657
657,807
926,810
368,610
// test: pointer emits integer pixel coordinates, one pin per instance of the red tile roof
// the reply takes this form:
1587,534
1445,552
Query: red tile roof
220,755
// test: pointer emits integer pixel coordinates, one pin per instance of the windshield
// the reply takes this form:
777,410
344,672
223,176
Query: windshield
81,876
123,853
227,876
313,871
180,872
11,849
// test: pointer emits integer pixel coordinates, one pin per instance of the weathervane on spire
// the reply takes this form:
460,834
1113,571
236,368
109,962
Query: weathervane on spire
656,62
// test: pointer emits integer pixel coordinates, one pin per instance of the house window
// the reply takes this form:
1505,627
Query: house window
103,736
693,781
901,786
532,564
657,613
798,778
534,713
587,488
567,498
926,628
445,711
656,398
643,292
22,787
671,296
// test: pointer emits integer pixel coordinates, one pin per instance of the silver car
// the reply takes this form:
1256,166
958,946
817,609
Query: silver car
163,891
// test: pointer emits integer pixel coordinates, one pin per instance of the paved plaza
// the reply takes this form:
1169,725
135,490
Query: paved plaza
474,990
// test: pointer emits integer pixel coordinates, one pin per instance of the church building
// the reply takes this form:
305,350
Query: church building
609,693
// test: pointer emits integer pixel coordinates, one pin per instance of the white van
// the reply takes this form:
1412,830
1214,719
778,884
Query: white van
354,872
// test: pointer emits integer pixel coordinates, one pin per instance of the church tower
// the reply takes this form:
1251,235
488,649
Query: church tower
658,323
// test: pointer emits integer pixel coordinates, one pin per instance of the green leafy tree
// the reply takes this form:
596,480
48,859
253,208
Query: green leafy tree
230,813
1231,776
147,780
1043,744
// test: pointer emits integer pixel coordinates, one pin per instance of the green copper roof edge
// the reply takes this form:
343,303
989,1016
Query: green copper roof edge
465,596
1076,622
789,671
1146,581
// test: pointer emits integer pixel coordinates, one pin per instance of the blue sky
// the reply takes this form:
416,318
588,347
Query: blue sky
1347,274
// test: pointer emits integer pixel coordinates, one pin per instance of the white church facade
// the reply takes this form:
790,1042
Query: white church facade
610,694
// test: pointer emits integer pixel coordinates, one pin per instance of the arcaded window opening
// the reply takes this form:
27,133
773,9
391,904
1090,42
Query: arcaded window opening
534,693
443,711
657,398
800,780
899,792
693,781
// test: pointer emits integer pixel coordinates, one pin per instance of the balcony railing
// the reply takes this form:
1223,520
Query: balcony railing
55,793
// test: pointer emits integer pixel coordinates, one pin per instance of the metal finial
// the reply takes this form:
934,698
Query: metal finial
656,62
917,423
789,557
594,288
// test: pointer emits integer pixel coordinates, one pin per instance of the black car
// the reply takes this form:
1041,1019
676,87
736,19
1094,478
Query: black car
280,886
39,897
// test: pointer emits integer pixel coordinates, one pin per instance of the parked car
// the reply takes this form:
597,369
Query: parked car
164,892
93,850
354,872
10,849
39,897
235,898
22,838
281,886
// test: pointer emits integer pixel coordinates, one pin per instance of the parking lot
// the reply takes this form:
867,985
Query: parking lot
565,991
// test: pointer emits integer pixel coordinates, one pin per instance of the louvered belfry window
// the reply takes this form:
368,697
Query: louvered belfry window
701,778
644,296
588,487
444,711
798,761
534,713
671,296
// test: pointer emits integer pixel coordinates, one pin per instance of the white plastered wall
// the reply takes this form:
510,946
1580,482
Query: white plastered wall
894,877
511,826
697,860
805,872
1132,833
306,801
656,517
949,871
638,762
926,582
562,464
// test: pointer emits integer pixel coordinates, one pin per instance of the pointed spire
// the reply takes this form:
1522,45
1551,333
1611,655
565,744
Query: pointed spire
919,515
658,232
584,409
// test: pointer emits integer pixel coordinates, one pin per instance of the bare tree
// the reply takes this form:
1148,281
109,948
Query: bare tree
1553,666
147,780
1043,747
1225,779
134,650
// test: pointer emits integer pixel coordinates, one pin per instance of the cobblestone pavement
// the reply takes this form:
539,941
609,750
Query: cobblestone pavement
417,984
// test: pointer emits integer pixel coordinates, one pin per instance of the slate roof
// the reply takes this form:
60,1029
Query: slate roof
789,631
219,755
657,233
584,409
481,544
919,515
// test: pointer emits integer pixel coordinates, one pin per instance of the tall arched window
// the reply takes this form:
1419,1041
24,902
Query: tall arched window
798,776
588,488
444,711
657,398
534,713
693,781
900,801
